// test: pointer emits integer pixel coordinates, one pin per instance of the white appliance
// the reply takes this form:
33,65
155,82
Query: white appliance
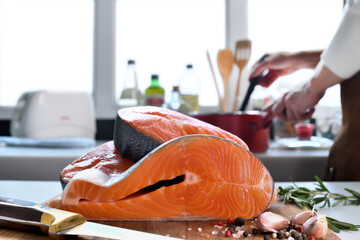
54,114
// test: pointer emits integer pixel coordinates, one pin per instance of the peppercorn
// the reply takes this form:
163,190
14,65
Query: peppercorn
239,221
274,235
278,235
230,221
300,228
232,228
287,234
245,234
255,231
220,223
311,238
227,233
266,237
298,237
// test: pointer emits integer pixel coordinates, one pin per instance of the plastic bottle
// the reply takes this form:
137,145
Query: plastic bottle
155,94
175,101
190,89
130,95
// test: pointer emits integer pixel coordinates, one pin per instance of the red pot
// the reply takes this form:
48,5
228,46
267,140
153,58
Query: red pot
243,125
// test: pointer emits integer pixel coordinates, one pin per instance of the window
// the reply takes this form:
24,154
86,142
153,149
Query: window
283,25
45,44
51,43
163,36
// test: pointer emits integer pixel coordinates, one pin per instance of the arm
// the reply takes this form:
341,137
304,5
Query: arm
339,61
299,104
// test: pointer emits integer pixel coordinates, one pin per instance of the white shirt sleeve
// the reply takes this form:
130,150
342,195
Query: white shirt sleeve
342,56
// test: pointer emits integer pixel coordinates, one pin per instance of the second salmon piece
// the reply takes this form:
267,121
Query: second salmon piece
190,177
139,130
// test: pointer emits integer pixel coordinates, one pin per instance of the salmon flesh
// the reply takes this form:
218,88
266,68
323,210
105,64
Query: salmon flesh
188,177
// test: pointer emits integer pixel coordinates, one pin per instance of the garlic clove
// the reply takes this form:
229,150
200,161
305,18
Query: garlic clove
301,218
316,226
271,222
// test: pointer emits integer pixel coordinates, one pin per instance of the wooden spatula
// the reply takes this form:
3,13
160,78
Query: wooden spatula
242,56
225,61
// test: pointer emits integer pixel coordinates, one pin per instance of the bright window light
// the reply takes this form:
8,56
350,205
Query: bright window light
163,36
283,25
45,44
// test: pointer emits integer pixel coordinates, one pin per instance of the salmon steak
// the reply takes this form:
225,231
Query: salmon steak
189,177
139,130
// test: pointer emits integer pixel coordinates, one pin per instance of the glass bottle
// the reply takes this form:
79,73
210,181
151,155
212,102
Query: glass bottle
130,95
190,89
155,94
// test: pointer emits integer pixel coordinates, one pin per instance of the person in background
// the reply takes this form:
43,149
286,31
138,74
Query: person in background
338,64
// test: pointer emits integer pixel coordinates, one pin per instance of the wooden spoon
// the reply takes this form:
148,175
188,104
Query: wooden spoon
242,56
225,61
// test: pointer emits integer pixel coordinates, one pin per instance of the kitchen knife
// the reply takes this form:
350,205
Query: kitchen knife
59,224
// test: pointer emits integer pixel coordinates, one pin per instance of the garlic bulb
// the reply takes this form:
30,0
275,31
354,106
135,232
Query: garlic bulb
316,226
271,222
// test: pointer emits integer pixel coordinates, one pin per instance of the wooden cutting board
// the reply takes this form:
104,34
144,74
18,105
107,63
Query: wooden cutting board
180,229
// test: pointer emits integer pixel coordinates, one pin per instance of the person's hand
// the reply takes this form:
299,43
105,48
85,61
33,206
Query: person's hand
295,105
283,63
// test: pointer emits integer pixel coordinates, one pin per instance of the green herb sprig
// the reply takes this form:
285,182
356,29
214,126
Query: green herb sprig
305,197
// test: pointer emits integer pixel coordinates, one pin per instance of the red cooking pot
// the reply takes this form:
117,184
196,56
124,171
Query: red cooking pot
243,125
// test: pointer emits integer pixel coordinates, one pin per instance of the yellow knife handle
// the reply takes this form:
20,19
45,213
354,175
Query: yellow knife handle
50,220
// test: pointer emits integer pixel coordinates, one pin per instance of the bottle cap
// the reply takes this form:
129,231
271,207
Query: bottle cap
189,66
131,61
154,76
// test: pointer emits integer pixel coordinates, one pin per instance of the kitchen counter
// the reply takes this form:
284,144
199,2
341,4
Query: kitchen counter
40,191
28,163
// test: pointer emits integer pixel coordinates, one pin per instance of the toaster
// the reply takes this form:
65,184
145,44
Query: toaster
47,114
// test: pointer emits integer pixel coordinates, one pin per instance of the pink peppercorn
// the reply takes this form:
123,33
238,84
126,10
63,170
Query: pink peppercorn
230,221
220,223
227,233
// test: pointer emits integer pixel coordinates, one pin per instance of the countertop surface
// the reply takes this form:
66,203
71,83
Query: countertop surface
40,191
29,163
44,152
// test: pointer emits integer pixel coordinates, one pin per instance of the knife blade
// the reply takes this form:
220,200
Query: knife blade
59,224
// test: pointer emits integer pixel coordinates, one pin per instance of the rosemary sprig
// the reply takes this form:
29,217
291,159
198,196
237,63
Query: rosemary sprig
336,225
304,197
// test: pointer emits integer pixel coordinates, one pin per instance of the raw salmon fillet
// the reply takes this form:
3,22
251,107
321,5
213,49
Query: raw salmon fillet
104,158
189,177
139,130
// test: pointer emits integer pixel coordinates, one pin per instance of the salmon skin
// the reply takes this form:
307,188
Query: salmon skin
189,177
139,130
